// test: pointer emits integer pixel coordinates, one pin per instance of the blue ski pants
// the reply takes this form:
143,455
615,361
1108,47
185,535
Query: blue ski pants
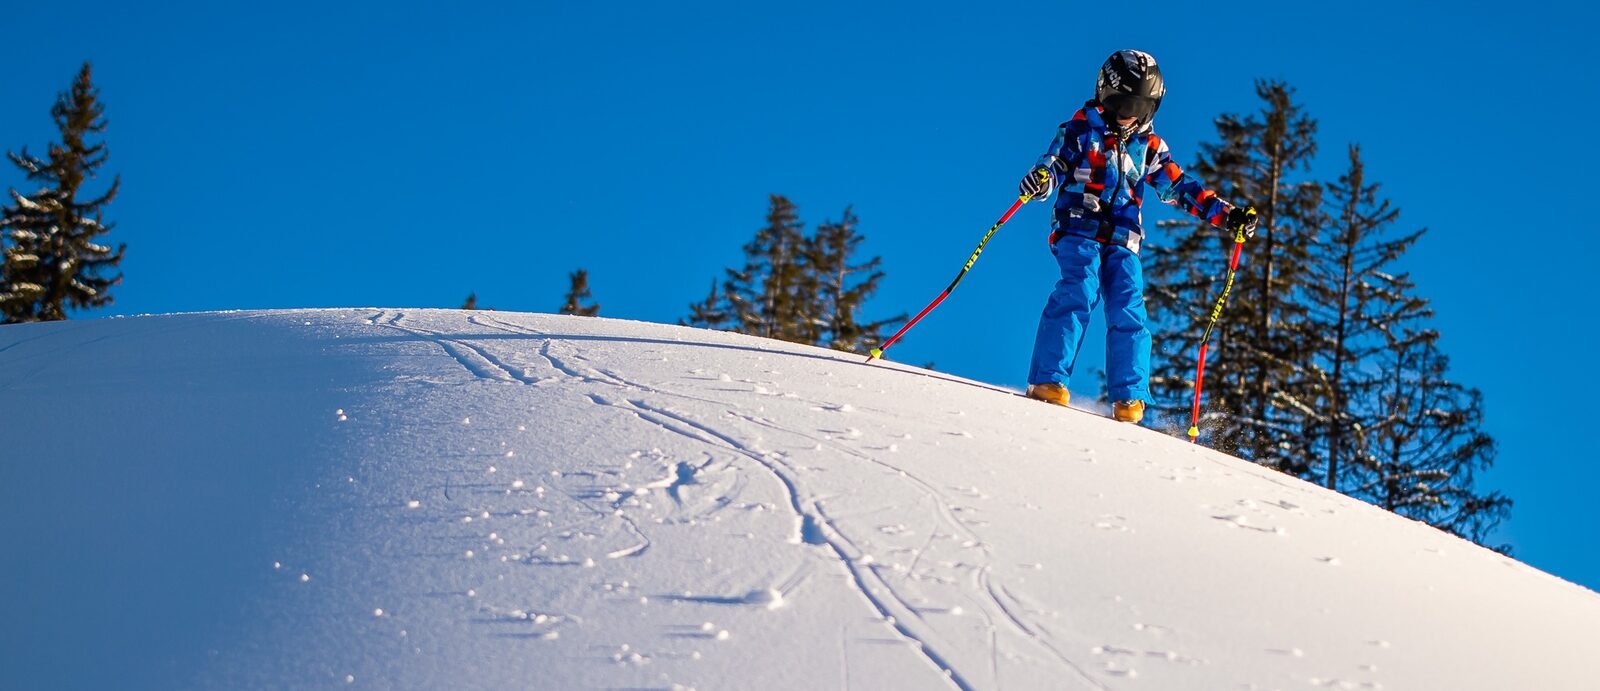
1090,271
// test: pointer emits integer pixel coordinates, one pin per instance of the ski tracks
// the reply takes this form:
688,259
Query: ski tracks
473,358
1011,608
812,524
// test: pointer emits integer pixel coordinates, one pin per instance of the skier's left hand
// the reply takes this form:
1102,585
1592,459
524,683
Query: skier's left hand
1242,219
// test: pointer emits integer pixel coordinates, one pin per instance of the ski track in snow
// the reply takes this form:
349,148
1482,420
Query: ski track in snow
592,376
815,527
812,527
950,520
1007,606
946,513
476,360
822,531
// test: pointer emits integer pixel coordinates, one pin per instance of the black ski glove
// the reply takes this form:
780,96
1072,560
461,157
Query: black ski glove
1242,219
1036,184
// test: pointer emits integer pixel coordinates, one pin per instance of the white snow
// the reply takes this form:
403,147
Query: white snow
712,511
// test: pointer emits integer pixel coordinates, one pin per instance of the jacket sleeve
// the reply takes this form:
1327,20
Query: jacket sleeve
1180,189
1064,155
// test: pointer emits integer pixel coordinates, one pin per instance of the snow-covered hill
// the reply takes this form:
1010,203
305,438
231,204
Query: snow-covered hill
418,499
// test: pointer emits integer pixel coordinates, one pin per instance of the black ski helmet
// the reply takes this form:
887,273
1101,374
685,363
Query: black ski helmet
1130,85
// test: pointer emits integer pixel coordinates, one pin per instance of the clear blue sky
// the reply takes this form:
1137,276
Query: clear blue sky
404,154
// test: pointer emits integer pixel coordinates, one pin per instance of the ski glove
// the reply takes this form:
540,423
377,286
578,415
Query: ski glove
1242,219
1036,184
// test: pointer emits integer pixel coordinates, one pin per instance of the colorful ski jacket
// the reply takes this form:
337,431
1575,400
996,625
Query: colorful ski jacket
1102,201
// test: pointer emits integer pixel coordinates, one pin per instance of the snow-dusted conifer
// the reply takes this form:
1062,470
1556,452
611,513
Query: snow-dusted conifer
54,258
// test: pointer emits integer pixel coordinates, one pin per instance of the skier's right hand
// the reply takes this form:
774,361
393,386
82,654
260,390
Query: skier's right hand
1036,184
1243,220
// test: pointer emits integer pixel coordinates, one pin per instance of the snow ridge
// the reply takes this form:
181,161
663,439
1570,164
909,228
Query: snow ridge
423,499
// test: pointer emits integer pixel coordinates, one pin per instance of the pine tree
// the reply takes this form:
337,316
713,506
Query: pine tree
1257,392
53,260
1323,365
1357,303
798,288
771,296
842,287
579,301
1426,452
472,301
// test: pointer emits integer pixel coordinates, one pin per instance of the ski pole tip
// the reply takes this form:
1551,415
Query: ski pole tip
875,353
1194,432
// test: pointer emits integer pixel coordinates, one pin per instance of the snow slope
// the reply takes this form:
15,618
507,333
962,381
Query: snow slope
422,499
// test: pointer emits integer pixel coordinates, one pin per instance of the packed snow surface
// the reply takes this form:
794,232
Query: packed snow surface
427,499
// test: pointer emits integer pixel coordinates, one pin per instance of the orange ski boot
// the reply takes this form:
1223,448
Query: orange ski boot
1050,392
1127,411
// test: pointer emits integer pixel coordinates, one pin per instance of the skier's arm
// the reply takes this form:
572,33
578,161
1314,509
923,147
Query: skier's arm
1063,157
1180,189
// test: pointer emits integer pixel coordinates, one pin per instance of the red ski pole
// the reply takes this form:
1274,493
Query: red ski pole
878,351
1216,312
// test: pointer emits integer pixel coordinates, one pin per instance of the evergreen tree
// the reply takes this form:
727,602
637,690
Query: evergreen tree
711,313
1323,365
53,256
798,288
771,296
1258,392
842,287
1357,302
579,301
1426,452
472,301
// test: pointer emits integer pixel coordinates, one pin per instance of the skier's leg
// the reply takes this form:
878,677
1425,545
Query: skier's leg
1066,316
1127,336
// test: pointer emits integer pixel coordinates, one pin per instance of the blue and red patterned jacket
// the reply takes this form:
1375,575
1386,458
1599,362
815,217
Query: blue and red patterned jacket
1102,201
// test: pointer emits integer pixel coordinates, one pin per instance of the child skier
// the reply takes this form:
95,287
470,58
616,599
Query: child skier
1100,162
